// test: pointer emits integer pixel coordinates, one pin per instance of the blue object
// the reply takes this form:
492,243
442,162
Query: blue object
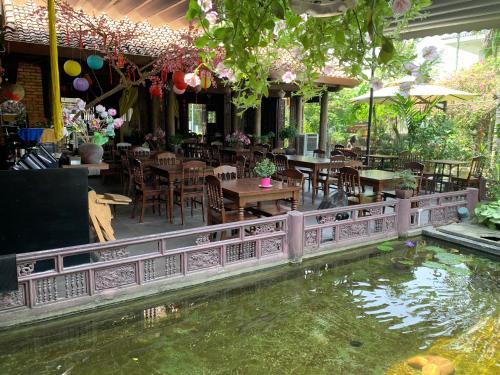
95,62
30,134
463,213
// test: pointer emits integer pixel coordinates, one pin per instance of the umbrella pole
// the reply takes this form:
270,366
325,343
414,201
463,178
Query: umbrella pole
370,107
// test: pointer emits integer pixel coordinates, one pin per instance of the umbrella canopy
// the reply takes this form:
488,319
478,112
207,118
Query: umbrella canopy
422,93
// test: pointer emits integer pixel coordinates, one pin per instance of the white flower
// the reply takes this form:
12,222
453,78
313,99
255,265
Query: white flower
192,79
205,5
304,17
410,67
80,104
103,114
212,17
100,108
279,26
401,6
430,53
224,72
288,77
377,84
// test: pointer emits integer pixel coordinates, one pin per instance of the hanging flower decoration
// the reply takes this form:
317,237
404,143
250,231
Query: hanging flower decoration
205,5
211,17
404,89
430,53
192,79
95,62
377,84
179,91
288,77
400,7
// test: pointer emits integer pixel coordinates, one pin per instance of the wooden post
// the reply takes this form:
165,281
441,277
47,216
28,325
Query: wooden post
300,114
280,120
171,113
227,112
295,236
258,121
323,122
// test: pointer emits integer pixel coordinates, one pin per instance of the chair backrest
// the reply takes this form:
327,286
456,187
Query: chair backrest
270,156
281,162
336,162
319,153
215,197
165,158
138,173
476,167
267,146
125,159
336,152
293,177
339,147
206,152
417,169
216,153
350,181
405,157
140,153
278,151
349,154
258,156
193,176
226,172
123,146
241,164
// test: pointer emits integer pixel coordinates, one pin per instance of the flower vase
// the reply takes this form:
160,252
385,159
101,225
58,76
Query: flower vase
265,182
90,153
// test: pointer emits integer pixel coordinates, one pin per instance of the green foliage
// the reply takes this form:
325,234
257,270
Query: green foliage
99,139
287,132
265,168
255,35
489,214
175,139
407,180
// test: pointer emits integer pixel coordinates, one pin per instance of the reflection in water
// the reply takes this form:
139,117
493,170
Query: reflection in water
341,317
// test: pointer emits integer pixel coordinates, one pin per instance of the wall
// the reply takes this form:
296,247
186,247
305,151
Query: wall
30,77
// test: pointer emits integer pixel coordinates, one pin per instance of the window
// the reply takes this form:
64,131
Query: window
197,118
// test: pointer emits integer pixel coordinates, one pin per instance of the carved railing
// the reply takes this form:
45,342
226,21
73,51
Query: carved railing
342,226
63,275
437,209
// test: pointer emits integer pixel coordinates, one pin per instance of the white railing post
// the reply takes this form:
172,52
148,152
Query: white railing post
403,218
295,236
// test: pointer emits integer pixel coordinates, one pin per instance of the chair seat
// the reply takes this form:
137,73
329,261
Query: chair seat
364,199
231,216
271,209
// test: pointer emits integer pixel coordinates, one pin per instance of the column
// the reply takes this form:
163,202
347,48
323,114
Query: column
280,120
323,122
227,111
300,114
257,129
171,113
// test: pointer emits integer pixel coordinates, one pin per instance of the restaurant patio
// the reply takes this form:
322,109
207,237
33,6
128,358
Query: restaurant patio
154,147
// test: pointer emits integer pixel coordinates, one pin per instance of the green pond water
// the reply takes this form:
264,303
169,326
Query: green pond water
326,316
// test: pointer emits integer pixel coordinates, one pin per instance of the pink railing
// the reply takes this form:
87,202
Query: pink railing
144,260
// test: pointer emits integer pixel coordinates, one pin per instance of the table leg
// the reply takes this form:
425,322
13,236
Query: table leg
294,202
314,183
241,212
377,189
171,200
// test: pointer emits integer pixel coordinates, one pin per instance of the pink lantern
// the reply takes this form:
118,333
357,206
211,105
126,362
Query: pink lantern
81,84
155,90
178,77
178,91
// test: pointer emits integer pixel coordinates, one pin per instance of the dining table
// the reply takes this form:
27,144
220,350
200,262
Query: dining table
442,171
243,191
378,180
382,158
173,173
312,163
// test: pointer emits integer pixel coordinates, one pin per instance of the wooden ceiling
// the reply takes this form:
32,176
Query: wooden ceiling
156,12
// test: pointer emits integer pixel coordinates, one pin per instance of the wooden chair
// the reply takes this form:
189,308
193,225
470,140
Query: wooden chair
127,173
281,162
278,151
123,146
319,153
474,176
336,152
270,156
146,195
215,159
350,183
339,147
404,158
241,166
191,186
206,153
139,153
349,154
216,211
226,172
326,181
165,158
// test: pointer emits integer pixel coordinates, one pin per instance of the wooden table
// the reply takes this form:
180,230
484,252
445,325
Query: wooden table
173,173
100,166
377,179
315,164
446,166
382,158
246,190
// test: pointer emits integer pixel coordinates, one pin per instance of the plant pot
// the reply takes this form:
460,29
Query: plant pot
404,194
90,153
265,182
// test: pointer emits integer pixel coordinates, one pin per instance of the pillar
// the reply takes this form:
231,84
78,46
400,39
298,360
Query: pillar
300,113
472,199
257,129
171,113
323,122
295,236
403,217
280,120
227,112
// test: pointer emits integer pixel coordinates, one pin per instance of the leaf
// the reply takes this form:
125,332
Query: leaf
406,262
449,259
277,9
385,248
201,41
433,265
435,249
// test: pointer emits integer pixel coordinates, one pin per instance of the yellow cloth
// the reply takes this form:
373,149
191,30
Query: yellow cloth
48,136
54,73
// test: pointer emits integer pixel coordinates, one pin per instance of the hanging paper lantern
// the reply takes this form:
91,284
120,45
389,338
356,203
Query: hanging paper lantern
95,62
72,68
81,84
192,79
181,85
13,91
155,90
178,91
89,80
205,79
120,61
178,77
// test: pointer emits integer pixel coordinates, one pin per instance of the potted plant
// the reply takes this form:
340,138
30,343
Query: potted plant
238,139
155,140
265,169
406,185
175,141
95,129
286,134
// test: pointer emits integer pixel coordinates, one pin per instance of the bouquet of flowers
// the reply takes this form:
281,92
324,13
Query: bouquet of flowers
156,139
94,126
238,138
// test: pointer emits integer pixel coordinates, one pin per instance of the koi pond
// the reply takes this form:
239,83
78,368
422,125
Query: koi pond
363,312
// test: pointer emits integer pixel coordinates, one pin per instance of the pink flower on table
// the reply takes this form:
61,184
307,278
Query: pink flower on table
430,53
329,68
288,77
212,17
401,6
117,123
112,112
205,5
94,124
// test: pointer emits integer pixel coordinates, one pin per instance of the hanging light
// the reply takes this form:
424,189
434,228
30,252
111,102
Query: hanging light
72,68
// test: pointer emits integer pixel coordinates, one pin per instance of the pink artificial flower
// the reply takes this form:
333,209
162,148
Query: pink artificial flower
192,79
80,104
117,123
401,6
212,17
205,5
94,124
288,77
430,53
112,112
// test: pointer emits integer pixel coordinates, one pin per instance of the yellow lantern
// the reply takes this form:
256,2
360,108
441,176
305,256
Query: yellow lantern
72,68
205,79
